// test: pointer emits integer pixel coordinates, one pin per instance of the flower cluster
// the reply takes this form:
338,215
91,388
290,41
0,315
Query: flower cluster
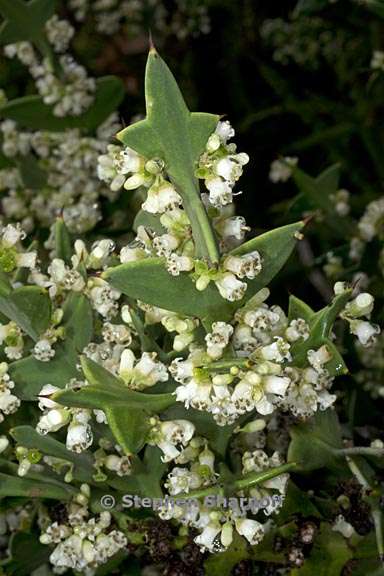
63,84
220,167
68,162
262,376
83,542
111,16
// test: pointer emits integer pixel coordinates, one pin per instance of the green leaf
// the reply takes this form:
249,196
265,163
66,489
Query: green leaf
130,427
31,488
105,390
32,175
30,307
299,309
21,564
310,6
314,442
31,112
28,437
136,279
148,220
223,563
318,191
320,324
24,20
329,554
296,502
63,241
275,247
78,320
30,375
172,133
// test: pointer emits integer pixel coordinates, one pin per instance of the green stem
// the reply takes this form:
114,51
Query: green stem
147,343
245,482
203,234
260,477
359,450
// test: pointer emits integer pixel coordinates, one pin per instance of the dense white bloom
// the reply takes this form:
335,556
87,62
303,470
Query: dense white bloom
142,373
9,403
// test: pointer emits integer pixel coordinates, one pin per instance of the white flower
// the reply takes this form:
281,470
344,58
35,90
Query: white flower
79,433
207,537
278,351
341,525
281,170
230,287
224,131
230,167
252,530
43,351
377,61
171,434
247,265
297,329
142,373
53,420
176,264
4,443
161,199
182,480
218,339
365,331
165,244
220,191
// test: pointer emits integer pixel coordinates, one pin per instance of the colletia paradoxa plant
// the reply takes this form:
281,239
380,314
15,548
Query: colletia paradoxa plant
159,370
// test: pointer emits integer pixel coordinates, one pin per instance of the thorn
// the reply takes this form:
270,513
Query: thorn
152,49
221,116
308,219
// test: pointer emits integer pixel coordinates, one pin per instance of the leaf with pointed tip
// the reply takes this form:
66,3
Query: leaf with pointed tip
178,137
320,324
30,307
33,488
105,390
30,375
130,427
313,442
318,191
28,437
32,175
148,220
24,20
299,309
31,112
78,320
18,563
63,241
179,294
